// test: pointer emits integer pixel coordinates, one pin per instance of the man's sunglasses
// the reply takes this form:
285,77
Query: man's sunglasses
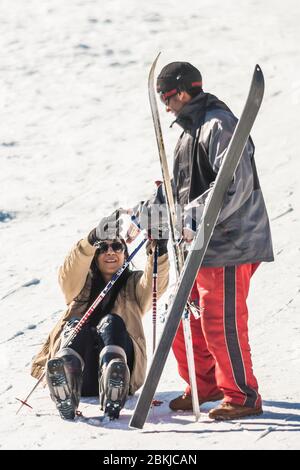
117,247
165,97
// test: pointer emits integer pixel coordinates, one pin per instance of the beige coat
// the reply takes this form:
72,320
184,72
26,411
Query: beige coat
132,302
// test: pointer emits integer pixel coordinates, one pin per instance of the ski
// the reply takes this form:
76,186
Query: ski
199,245
177,251
179,261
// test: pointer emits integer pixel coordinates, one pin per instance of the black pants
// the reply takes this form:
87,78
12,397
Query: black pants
89,342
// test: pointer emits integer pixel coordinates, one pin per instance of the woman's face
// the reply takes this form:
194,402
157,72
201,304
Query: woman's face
111,257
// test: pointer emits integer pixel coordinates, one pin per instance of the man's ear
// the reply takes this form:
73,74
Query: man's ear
184,97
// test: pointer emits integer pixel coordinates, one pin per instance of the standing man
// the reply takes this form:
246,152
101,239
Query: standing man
240,242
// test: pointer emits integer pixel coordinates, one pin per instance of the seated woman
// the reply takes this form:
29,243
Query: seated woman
108,355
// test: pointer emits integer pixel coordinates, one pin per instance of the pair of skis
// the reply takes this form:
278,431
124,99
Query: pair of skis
199,245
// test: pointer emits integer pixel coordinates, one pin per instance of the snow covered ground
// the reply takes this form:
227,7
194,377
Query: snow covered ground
77,141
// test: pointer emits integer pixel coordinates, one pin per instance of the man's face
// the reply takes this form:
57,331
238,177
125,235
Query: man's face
175,103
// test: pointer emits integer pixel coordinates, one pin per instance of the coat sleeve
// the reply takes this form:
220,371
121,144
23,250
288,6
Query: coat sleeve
143,288
73,273
222,129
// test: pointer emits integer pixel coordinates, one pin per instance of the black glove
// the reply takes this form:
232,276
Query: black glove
162,246
152,215
108,228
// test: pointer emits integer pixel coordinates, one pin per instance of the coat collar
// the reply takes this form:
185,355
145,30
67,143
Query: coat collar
192,114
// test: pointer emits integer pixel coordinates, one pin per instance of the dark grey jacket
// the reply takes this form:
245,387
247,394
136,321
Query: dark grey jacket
242,234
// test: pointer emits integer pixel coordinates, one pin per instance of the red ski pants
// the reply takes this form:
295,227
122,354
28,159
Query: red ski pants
220,337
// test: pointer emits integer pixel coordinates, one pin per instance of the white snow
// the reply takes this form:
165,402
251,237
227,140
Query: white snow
77,141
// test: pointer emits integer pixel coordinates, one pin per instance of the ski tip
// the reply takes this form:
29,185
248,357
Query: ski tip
258,76
156,58
152,69
259,72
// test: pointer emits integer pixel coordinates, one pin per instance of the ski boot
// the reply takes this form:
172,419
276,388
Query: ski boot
114,377
64,378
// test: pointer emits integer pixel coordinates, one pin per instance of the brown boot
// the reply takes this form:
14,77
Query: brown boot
184,402
233,411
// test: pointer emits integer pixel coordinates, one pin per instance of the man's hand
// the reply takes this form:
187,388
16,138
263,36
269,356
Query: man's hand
152,216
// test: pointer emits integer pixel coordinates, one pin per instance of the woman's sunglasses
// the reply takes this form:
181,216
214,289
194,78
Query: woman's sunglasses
117,247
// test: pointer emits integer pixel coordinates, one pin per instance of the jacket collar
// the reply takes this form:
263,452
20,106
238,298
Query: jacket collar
193,112
189,116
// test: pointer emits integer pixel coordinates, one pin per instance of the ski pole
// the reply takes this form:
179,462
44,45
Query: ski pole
89,312
154,295
24,402
154,284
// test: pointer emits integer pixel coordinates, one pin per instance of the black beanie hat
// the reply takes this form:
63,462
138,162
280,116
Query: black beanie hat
178,76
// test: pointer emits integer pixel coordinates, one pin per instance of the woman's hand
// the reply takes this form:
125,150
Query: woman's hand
108,228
